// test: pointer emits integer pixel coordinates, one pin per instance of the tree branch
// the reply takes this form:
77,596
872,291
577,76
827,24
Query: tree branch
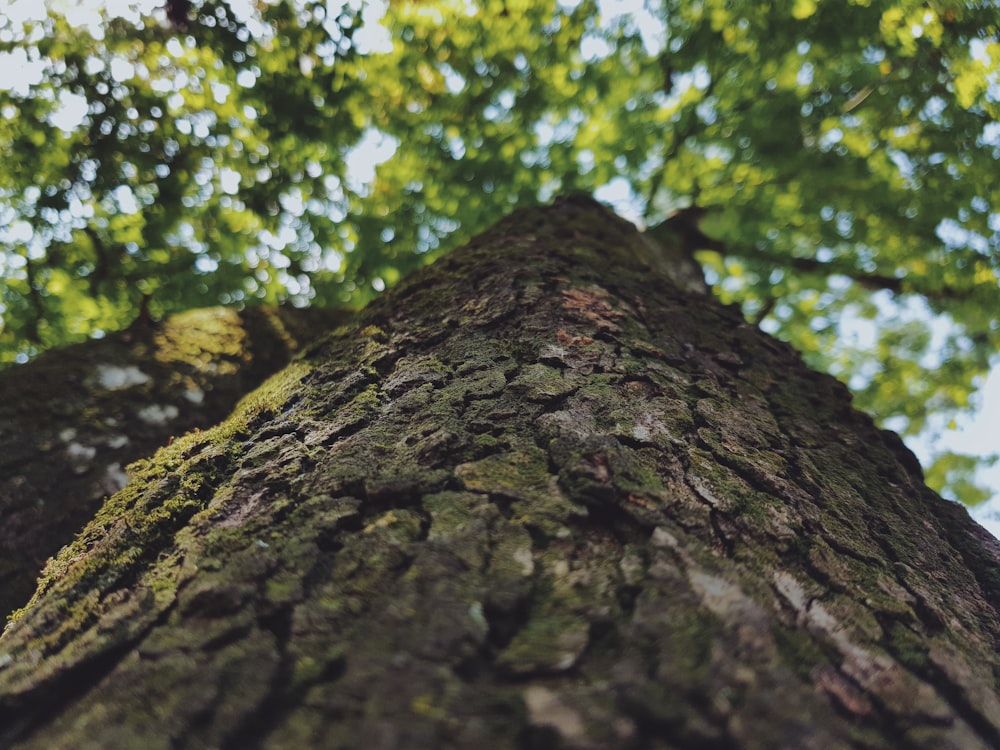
31,325
873,281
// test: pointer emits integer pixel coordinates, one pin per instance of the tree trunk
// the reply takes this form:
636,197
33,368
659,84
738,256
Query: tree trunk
536,496
72,420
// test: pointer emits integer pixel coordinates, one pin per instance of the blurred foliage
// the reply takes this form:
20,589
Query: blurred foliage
841,155
954,473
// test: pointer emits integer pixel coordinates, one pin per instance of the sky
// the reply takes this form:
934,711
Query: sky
977,434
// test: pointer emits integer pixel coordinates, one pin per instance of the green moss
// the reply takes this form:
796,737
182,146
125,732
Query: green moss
909,648
512,556
265,400
727,492
541,383
521,474
163,494
284,588
452,512
638,473
686,645
368,398
485,441
374,332
207,338
599,388
552,641
798,651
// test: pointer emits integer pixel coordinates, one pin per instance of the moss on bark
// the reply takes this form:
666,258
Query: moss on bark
532,497
72,421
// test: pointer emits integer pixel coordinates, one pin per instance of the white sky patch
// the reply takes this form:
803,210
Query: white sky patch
973,434
646,16
979,51
619,195
220,92
991,134
17,233
20,11
373,36
72,109
373,149
246,79
126,199
80,13
17,73
453,81
594,48
229,181
121,69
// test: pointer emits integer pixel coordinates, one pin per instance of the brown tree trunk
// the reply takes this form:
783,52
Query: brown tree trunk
534,497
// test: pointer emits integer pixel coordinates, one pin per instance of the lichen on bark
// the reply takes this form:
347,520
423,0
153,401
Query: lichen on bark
532,497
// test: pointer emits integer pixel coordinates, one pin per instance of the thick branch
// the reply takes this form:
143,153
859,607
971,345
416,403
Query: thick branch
868,280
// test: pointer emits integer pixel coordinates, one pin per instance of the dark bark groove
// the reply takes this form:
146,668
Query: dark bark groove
534,497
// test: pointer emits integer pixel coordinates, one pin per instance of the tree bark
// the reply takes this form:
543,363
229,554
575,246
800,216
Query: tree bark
536,496
72,420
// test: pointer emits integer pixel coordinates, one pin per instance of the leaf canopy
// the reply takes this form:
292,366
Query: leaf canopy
841,155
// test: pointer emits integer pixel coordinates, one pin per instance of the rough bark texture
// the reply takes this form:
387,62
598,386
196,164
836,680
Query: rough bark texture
532,498
71,421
